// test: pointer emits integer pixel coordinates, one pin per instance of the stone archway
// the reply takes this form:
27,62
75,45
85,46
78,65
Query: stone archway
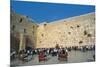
14,41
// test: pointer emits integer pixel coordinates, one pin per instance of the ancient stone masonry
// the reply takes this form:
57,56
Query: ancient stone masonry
23,26
74,31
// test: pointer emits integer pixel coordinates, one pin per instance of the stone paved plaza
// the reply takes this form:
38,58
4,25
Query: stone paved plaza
73,57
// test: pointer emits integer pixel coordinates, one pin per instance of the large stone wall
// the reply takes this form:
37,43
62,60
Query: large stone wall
22,25
75,31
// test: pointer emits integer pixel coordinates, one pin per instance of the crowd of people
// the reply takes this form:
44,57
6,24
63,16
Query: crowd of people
61,53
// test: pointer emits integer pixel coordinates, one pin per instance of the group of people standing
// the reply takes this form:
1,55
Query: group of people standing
61,53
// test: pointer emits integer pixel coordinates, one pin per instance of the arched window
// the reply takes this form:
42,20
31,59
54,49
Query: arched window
13,27
20,20
24,30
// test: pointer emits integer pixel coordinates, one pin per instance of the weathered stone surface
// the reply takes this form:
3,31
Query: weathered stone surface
67,32
75,31
23,25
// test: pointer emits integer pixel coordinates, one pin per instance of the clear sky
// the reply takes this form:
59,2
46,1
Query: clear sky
41,12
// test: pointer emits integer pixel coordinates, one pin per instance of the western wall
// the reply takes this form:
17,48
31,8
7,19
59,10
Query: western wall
74,31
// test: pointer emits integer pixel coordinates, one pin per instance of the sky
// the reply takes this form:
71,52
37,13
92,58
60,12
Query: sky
48,12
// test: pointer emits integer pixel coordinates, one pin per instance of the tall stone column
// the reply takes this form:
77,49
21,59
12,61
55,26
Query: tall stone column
22,42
